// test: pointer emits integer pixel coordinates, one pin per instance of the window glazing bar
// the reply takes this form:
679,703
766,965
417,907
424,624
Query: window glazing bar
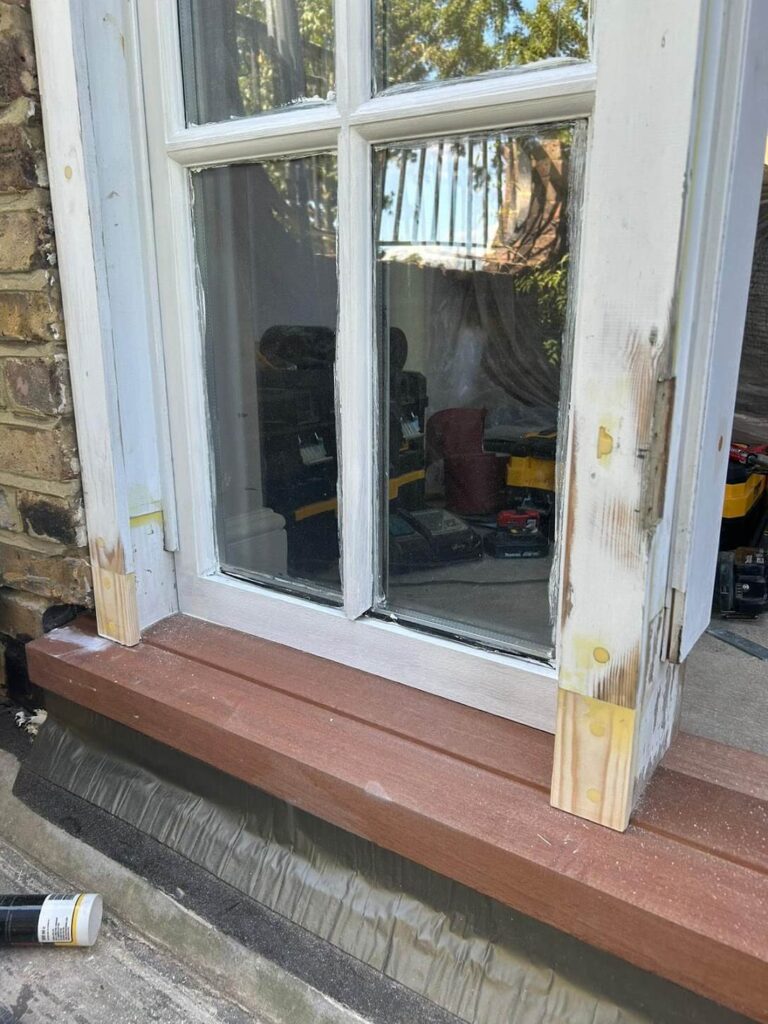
355,362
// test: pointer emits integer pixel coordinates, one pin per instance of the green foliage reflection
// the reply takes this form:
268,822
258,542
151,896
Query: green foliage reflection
425,40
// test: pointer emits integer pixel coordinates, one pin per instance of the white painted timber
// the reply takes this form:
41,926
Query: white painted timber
534,94
625,353
86,312
179,294
306,129
356,341
121,208
727,177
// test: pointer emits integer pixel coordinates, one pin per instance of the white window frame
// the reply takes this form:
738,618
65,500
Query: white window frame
658,72
503,684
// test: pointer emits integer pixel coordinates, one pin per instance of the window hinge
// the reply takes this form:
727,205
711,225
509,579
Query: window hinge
673,625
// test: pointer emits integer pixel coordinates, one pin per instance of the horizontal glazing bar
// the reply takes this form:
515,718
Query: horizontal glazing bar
526,97
309,129
530,96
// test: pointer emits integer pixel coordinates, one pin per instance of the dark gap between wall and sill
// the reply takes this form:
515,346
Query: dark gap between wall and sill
18,686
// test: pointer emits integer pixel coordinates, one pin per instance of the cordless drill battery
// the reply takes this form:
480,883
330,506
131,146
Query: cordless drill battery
518,534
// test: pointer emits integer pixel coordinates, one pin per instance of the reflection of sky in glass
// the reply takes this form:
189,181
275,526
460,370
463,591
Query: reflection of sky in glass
450,194
490,36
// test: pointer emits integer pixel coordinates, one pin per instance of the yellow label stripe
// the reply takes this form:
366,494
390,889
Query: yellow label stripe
147,517
73,933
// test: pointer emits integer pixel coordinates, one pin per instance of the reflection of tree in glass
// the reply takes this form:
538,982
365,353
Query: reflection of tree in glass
285,52
424,40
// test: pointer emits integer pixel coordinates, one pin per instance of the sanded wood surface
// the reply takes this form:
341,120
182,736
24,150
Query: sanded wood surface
616,712
684,892
469,734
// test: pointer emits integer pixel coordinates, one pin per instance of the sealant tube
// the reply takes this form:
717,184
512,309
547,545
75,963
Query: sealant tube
68,920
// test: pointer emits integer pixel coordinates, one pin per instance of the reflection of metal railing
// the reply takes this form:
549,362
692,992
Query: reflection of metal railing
304,200
424,226
499,201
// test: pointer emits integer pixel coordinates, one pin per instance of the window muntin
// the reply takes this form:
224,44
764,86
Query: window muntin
246,57
472,286
266,252
419,41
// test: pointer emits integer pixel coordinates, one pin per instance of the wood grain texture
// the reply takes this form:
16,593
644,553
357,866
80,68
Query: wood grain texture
657,544
592,767
734,769
713,775
117,611
683,892
484,740
623,341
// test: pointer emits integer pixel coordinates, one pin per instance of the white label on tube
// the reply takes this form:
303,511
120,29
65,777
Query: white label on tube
57,919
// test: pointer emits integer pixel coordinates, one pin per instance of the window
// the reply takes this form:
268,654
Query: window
645,236
369,232
246,57
265,237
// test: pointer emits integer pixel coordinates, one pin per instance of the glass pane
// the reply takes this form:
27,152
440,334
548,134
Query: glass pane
266,248
243,57
472,277
433,40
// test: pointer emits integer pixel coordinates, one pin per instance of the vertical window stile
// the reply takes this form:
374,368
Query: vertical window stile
355,362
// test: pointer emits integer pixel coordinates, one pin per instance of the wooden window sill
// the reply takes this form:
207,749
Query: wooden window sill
683,893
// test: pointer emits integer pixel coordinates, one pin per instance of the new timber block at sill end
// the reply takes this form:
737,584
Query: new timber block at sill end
114,593
117,613
592,767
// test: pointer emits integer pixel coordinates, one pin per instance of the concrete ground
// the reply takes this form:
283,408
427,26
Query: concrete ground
122,979
725,691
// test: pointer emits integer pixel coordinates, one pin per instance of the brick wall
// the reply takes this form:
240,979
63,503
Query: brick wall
44,572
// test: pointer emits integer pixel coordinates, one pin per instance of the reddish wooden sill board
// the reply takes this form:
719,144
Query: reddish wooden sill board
683,893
